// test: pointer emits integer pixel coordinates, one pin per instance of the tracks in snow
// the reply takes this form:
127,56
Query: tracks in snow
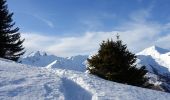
72,89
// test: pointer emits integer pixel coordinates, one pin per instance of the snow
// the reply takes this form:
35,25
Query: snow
157,62
42,59
20,82
155,57
39,59
24,82
154,51
152,64
72,63
36,53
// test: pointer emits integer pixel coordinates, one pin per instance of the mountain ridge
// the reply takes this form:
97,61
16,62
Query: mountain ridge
152,56
155,59
43,59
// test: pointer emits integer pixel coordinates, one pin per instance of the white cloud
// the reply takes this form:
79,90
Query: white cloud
35,41
96,21
137,38
48,22
164,41
65,46
138,33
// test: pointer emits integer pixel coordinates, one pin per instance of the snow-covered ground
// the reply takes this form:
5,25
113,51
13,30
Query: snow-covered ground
23,82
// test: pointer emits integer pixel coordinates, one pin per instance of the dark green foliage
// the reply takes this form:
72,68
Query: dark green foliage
114,62
10,42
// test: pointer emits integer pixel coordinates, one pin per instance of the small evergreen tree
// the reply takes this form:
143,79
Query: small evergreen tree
10,42
114,62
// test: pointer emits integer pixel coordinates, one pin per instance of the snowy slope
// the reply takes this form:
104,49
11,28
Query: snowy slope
23,82
155,59
42,59
20,82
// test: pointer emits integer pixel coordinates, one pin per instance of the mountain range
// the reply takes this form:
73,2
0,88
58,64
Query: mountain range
156,60
40,76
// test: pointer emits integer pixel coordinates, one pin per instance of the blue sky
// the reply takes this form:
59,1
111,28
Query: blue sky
70,27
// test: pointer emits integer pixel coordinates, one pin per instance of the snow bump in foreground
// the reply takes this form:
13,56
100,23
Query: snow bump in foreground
22,82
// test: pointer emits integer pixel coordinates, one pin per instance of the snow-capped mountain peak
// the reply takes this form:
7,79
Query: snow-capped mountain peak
155,58
36,54
42,59
78,57
39,58
154,51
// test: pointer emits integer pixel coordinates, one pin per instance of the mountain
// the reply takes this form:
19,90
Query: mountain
156,59
154,51
24,82
71,63
38,58
157,62
42,59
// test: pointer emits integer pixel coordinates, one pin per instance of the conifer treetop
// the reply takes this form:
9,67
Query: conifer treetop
10,42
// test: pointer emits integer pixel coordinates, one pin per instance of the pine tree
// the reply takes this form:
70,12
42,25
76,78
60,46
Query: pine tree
10,42
114,62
